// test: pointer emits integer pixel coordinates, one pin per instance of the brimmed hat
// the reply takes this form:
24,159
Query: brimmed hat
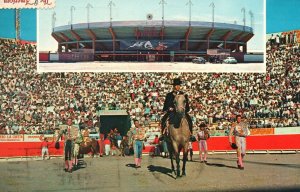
177,81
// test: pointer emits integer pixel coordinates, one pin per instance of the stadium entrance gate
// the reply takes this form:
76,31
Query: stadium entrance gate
110,119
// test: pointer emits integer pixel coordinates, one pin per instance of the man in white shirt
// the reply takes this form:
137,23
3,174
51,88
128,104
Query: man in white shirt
240,131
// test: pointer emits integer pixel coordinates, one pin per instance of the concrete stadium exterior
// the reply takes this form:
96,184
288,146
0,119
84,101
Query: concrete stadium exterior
145,40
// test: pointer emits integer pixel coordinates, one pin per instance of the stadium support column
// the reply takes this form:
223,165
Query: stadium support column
59,40
162,34
208,35
137,35
245,40
225,37
245,48
187,34
66,40
237,39
92,35
59,48
77,37
114,41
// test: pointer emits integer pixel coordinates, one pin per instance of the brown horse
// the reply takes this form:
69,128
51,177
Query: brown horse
178,138
91,146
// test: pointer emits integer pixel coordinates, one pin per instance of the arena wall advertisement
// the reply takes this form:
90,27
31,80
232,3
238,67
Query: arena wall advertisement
149,45
25,138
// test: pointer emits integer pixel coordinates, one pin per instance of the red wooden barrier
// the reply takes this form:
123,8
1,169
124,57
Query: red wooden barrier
24,149
266,142
263,142
44,56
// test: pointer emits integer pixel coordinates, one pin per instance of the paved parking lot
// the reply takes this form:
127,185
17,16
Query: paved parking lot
263,172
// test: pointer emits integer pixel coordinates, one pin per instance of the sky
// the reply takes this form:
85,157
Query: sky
226,11
27,20
282,15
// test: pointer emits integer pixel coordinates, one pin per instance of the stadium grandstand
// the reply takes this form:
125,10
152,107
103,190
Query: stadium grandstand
34,104
37,102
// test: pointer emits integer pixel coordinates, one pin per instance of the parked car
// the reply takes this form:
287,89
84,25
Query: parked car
199,60
230,60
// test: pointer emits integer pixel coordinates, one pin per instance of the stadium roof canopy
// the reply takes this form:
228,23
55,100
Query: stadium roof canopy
197,34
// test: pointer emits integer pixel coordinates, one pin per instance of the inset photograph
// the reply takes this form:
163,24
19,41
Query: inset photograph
152,36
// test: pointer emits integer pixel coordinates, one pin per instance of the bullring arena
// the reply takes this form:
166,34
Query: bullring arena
42,102
263,172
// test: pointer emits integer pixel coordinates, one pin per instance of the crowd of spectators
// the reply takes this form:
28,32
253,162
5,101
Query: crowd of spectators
32,102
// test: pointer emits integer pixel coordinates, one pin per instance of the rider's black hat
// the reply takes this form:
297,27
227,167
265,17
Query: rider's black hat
176,81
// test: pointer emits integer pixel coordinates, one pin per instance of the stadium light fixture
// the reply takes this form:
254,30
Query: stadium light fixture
244,19
213,14
88,6
111,3
53,20
163,2
17,23
190,11
252,19
72,9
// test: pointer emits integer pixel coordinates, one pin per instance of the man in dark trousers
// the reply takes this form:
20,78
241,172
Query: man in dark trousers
169,106
71,133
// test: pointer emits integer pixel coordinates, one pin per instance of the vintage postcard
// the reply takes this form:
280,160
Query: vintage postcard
110,130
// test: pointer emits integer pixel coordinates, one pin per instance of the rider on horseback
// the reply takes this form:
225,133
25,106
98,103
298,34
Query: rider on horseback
169,107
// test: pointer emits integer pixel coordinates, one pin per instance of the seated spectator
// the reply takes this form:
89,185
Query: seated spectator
22,131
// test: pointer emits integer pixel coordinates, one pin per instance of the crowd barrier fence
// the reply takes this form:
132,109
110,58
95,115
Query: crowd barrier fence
215,144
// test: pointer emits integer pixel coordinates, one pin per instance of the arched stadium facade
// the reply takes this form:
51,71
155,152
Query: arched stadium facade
150,40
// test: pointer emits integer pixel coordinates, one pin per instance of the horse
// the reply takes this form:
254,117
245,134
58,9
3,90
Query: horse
91,146
178,138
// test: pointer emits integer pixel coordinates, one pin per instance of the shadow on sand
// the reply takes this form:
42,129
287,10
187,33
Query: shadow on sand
132,165
159,169
220,165
81,165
